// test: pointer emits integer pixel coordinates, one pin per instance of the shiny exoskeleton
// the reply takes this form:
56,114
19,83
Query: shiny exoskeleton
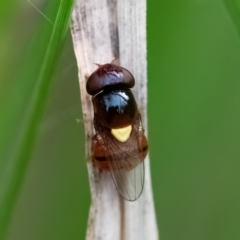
119,145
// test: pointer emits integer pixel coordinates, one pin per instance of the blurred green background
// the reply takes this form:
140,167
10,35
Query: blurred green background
194,116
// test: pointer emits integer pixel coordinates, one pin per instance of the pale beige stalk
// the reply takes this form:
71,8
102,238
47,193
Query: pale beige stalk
103,30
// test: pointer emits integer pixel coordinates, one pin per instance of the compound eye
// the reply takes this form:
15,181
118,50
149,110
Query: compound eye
109,75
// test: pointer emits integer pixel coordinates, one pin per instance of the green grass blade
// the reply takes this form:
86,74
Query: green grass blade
35,111
233,9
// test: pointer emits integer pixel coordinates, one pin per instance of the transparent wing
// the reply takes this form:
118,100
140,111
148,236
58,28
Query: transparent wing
127,174
126,162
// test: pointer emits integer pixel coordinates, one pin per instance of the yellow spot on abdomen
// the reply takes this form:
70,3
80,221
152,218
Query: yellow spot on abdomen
122,134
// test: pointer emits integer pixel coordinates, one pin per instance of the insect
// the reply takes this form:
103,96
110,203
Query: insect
119,145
